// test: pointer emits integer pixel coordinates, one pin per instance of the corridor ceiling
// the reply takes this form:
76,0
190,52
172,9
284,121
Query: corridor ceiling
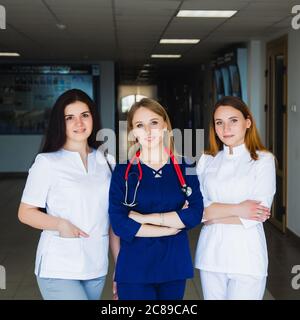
128,31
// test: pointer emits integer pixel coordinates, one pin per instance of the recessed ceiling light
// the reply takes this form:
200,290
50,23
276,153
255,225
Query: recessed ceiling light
145,71
166,56
179,41
9,54
61,26
206,13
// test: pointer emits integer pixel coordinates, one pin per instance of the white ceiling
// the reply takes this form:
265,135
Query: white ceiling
128,31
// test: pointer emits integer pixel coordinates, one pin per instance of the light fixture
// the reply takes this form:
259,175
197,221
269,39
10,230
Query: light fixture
166,56
144,71
61,26
179,41
9,54
206,13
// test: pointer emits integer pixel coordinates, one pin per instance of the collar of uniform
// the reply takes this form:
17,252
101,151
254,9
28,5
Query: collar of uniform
76,155
236,151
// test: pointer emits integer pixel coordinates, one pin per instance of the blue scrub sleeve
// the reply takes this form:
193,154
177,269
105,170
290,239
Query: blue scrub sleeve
192,215
122,225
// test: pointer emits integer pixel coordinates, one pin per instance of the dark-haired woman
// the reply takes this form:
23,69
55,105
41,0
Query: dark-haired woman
237,179
70,179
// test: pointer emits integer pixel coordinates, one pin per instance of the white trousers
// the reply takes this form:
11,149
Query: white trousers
227,286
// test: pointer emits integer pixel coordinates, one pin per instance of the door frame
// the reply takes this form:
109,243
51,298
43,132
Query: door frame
275,47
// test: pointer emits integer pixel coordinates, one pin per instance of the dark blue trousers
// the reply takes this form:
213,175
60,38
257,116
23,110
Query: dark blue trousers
172,290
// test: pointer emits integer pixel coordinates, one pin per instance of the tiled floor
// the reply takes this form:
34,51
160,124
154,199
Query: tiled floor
18,244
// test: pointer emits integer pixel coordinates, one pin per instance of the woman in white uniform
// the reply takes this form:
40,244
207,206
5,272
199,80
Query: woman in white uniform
70,179
237,179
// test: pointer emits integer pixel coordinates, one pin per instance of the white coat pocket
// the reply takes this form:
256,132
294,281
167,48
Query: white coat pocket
96,252
64,255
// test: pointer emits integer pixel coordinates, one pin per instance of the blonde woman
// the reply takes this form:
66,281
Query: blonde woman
147,210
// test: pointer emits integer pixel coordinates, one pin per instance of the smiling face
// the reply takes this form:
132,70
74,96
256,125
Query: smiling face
79,122
230,125
148,127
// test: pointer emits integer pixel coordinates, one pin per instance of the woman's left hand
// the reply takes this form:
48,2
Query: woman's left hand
138,217
115,291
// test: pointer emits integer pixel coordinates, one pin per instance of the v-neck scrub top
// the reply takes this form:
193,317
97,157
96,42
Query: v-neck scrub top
233,178
153,259
59,182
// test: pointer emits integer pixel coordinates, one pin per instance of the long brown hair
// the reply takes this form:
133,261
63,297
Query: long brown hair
252,139
155,107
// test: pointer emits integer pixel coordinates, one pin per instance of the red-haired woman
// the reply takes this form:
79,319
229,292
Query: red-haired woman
237,179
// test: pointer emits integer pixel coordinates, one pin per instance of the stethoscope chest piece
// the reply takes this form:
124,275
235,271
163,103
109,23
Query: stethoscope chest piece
187,190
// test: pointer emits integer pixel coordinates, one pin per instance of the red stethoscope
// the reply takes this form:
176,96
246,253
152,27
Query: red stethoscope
184,187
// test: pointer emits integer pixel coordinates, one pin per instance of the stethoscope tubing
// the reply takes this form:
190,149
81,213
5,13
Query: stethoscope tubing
186,189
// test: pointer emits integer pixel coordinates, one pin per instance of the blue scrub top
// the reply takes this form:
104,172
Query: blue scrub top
153,259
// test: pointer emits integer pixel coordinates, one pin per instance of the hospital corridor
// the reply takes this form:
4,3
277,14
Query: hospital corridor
186,56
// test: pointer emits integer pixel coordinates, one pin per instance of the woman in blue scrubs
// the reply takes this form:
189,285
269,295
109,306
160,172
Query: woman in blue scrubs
152,214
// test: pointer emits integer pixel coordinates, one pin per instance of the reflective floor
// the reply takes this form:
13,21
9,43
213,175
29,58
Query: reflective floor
18,244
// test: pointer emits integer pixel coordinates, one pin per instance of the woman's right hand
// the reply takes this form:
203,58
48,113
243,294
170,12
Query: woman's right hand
253,210
67,230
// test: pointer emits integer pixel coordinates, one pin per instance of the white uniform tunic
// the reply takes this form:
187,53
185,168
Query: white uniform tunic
233,178
59,182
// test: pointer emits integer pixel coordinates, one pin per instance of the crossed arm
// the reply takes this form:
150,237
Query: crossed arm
231,213
158,224
215,213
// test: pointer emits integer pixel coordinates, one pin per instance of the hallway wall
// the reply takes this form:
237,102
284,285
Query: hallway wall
293,222
257,83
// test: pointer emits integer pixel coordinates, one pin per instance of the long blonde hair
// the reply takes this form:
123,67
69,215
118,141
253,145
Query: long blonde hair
252,139
155,107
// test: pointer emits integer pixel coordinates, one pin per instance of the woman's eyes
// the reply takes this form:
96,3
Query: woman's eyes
219,123
153,123
84,115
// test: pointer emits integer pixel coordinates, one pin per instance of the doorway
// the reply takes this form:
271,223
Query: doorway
276,124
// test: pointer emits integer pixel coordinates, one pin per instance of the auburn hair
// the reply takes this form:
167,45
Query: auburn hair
252,139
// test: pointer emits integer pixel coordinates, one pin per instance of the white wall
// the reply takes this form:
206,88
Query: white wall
293,206
17,152
257,83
